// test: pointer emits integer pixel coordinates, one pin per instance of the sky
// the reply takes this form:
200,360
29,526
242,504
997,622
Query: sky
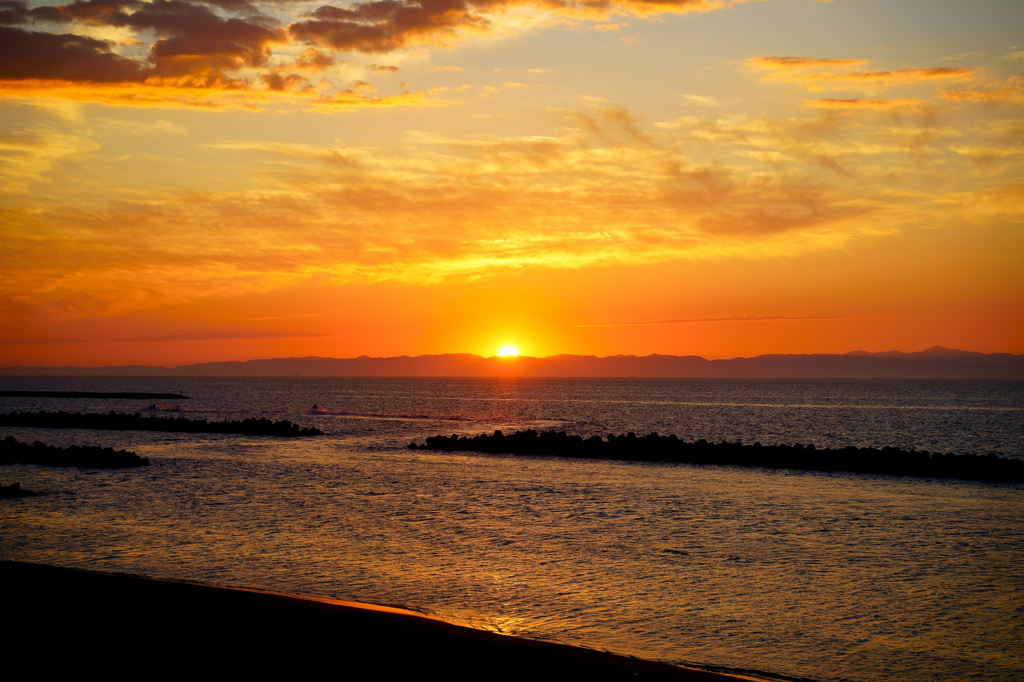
205,180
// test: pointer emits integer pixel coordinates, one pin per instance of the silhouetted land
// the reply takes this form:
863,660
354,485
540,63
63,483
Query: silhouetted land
92,394
655,448
934,363
84,457
114,421
13,490
123,624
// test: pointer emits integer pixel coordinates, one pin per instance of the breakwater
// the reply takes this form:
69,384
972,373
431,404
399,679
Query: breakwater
114,421
14,490
655,448
84,457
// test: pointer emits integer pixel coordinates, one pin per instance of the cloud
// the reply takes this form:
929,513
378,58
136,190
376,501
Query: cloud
226,45
295,151
861,103
730,318
158,128
389,25
986,156
28,156
447,68
801,62
278,82
606,186
194,48
836,73
313,60
457,207
196,336
899,76
1012,91
215,336
165,94
14,12
962,55
385,26
703,100
35,55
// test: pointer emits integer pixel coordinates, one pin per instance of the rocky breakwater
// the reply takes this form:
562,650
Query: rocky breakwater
13,451
114,421
655,448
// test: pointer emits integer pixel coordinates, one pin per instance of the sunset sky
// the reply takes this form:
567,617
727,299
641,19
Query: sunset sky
227,180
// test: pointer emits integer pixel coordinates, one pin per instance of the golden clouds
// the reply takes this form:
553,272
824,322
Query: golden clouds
819,74
801,62
199,58
1012,90
605,187
219,45
288,90
390,25
862,103
313,60
27,156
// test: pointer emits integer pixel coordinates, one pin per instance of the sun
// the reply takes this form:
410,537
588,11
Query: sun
508,351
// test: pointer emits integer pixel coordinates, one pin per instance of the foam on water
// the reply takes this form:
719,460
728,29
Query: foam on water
824,576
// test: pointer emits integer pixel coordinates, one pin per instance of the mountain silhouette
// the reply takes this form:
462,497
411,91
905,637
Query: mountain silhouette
933,363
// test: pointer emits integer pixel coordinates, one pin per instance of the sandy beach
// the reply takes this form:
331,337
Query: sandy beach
123,624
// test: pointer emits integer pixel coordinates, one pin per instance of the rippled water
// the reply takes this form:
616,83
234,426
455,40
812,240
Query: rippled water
824,576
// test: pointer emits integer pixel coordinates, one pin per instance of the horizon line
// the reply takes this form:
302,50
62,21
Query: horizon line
516,358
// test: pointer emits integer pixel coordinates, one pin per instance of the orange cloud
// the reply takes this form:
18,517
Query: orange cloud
192,40
34,55
286,82
1012,91
223,45
605,188
293,90
861,103
801,62
804,70
899,76
389,25
314,60
729,318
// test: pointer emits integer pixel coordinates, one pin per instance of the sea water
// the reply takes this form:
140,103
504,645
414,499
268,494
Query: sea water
799,574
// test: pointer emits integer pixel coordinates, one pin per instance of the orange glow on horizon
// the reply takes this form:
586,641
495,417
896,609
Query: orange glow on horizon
440,188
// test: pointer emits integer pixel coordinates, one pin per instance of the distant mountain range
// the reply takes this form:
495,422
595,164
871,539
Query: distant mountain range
934,363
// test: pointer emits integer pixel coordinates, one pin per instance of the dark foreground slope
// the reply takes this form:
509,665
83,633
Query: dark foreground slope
655,448
63,620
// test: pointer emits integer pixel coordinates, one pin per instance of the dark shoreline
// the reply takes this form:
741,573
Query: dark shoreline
654,448
128,624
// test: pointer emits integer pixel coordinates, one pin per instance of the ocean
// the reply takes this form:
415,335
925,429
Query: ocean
805,575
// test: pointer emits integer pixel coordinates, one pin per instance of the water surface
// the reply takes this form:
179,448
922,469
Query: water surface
815,575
